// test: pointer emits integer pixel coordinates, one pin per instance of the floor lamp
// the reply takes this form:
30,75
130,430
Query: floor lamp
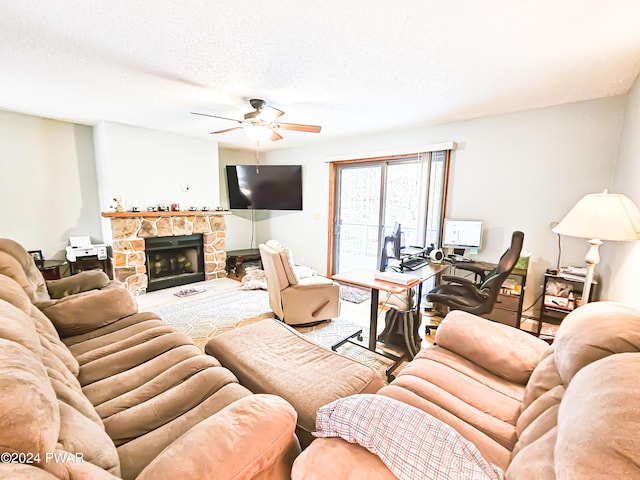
598,217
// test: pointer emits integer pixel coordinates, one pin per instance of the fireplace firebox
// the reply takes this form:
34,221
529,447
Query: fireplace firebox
173,261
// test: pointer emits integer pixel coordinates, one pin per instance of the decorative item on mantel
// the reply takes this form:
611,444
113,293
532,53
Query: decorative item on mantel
117,203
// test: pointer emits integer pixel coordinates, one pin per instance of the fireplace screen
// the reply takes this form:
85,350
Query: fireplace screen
174,261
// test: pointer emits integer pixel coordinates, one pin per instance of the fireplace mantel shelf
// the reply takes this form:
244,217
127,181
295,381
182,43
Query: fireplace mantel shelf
181,213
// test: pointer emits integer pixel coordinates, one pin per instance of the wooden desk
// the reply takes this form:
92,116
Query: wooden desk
364,277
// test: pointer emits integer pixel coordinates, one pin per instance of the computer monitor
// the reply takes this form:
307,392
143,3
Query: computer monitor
462,234
391,246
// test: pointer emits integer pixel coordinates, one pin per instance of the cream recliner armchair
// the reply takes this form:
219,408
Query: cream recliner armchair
295,300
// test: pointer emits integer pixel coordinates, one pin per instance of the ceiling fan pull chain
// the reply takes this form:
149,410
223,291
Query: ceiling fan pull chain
257,158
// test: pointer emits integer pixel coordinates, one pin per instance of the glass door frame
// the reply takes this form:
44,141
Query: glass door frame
334,168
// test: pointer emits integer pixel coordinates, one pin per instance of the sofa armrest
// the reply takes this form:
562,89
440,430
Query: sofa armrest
87,311
81,282
505,351
248,438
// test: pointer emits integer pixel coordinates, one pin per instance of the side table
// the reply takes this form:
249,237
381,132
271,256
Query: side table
51,269
235,259
90,262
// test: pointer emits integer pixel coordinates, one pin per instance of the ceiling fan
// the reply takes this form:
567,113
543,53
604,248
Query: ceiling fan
260,125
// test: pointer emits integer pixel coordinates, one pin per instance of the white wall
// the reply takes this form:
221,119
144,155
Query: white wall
48,186
148,167
620,261
519,171
239,230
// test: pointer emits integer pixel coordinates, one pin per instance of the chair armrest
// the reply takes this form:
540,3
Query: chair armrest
81,282
459,280
316,281
505,351
472,268
246,439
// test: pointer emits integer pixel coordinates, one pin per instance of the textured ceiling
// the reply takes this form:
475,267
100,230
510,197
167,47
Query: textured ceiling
354,67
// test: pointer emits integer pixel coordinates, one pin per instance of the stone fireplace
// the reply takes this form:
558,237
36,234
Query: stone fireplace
131,229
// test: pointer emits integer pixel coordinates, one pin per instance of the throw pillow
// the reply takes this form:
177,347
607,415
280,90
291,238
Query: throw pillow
410,442
254,279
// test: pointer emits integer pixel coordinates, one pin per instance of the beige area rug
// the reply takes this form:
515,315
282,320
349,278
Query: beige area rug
213,312
218,310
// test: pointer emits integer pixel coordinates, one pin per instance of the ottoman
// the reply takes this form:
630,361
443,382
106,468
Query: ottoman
271,357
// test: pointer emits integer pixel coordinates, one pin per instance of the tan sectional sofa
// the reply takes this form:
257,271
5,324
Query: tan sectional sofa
90,388
566,411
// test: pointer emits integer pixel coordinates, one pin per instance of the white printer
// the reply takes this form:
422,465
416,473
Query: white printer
82,247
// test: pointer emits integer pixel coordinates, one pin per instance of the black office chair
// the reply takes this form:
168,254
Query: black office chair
460,293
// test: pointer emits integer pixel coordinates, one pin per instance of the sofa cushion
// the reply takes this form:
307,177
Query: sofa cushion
17,264
501,349
11,292
84,312
410,442
481,406
81,282
614,328
597,437
30,419
267,418
17,326
82,435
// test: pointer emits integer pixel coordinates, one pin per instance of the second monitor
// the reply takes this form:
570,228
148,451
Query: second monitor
461,235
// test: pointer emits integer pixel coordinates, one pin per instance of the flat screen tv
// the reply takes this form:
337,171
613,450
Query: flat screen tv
267,187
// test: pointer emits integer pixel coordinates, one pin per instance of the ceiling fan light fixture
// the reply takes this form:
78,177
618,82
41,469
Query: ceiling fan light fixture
257,133
260,125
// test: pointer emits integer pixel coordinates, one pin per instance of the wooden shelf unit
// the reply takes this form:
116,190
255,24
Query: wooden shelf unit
569,300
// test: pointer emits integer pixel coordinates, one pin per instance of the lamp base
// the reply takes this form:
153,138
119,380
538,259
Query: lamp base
592,258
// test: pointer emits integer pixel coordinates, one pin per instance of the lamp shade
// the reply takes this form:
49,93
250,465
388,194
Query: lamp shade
605,216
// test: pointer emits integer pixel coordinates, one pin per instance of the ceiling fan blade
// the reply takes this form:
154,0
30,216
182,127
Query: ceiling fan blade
216,116
226,130
275,136
298,127
269,114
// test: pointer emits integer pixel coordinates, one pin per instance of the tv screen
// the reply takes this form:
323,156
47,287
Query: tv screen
267,187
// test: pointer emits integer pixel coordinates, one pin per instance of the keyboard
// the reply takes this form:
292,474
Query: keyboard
458,258
414,263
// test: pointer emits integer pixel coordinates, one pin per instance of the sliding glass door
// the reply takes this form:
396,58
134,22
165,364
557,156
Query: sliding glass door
371,196
357,217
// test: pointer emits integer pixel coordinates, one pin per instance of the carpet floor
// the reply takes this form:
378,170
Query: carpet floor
224,306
